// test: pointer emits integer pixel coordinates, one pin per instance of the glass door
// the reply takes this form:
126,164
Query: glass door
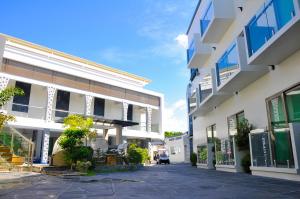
282,149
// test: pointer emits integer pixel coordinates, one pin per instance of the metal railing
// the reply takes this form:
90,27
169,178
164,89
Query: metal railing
27,111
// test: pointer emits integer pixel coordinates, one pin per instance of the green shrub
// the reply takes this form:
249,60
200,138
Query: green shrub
193,159
246,163
137,155
83,166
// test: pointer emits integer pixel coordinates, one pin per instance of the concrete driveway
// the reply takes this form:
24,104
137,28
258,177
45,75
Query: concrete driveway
160,181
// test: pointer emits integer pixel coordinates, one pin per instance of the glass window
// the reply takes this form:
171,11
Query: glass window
280,133
130,112
62,103
99,107
211,133
20,103
206,19
272,17
293,105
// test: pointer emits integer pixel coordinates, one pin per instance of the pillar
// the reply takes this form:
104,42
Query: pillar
46,137
105,134
149,119
51,93
88,104
125,110
3,82
118,135
38,144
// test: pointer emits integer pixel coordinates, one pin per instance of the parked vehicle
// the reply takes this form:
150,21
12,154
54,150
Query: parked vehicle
164,158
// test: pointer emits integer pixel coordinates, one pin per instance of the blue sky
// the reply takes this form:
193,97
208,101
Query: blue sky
144,37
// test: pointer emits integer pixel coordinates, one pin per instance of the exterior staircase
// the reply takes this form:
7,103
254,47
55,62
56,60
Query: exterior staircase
16,151
5,159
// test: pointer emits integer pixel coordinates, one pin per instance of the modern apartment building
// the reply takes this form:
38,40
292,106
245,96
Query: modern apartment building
246,57
57,84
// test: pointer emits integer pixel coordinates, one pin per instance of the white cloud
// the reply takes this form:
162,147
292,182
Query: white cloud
175,116
182,40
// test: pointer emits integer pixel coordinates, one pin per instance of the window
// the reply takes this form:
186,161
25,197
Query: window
130,112
233,122
99,107
20,103
293,104
211,133
62,103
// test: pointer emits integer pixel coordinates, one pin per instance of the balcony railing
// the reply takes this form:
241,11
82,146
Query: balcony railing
22,110
205,86
190,51
227,65
273,16
207,17
58,113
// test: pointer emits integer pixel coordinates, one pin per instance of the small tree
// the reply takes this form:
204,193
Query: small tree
242,140
77,128
242,136
193,159
5,96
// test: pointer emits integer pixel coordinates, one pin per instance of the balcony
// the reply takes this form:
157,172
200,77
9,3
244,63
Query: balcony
232,71
271,33
208,96
198,53
216,19
192,101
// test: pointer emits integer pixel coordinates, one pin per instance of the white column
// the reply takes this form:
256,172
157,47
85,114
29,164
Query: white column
46,138
118,135
88,104
38,144
105,134
3,82
51,93
125,110
149,119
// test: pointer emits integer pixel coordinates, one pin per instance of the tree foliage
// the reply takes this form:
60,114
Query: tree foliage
5,96
77,128
137,155
169,134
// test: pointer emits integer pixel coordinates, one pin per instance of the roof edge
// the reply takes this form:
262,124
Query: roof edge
73,57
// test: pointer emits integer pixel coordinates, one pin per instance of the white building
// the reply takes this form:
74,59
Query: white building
178,148
245,60
57,84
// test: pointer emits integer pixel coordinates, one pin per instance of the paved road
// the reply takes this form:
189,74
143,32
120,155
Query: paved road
158,182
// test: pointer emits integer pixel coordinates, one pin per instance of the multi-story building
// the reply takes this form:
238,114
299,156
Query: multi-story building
247,56
57,85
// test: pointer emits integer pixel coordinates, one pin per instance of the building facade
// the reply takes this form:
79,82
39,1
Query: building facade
178,148
246,53
57,85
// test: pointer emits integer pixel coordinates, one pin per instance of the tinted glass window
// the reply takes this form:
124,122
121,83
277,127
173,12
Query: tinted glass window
130,112
20,103
62,103
99,107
